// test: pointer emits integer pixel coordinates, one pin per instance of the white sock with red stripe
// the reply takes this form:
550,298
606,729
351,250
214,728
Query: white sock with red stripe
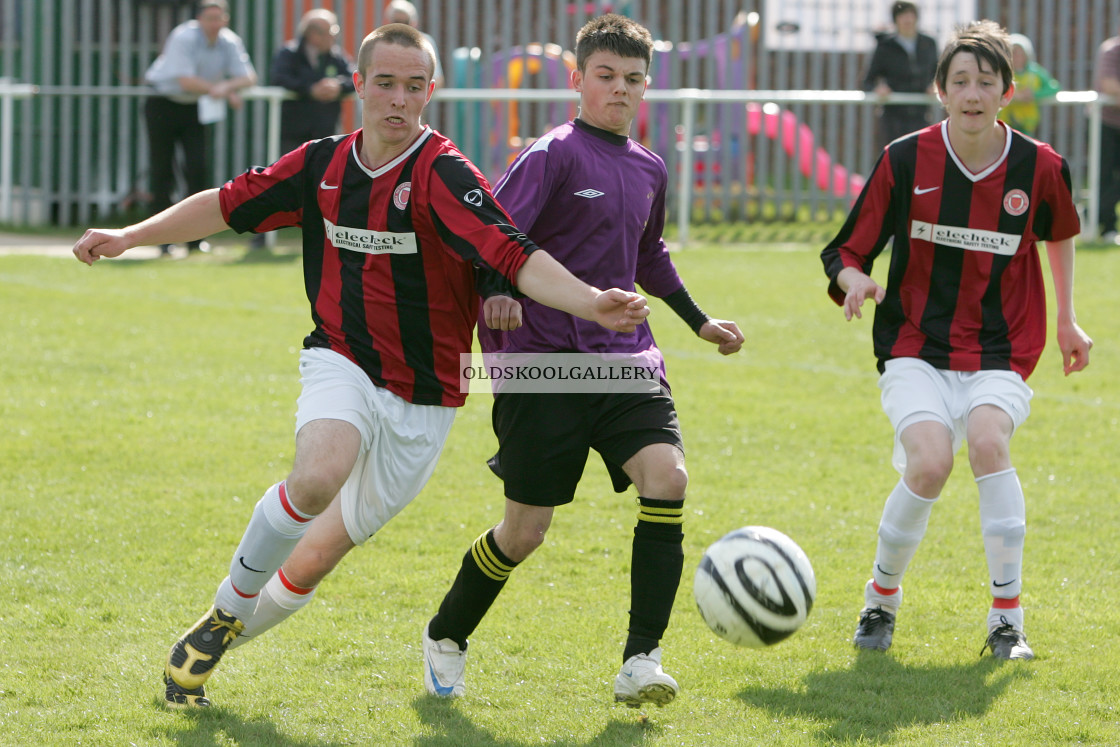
878,596
278,600
272,534
1005,609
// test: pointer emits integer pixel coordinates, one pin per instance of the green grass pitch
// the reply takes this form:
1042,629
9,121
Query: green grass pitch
145,405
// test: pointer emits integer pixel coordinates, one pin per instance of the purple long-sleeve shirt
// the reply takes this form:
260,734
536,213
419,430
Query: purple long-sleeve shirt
595,201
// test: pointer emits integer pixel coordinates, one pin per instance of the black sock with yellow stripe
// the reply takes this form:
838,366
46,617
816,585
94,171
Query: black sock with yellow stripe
481,578
658,559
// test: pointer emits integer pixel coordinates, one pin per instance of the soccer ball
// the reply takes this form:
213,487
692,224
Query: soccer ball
754,587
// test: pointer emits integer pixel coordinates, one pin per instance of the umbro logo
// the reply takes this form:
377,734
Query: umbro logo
589,193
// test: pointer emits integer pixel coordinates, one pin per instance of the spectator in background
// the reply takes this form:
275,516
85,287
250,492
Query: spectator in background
1032,83
316,69
903,62
200,71
1107,82
402,11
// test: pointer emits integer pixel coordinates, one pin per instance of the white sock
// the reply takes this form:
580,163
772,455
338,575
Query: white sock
1013,615
274,529
905,517
1003,521
233,602
888,599
278,600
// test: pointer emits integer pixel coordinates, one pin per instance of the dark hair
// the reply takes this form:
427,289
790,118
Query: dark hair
903,6
988,42
395,33
613,33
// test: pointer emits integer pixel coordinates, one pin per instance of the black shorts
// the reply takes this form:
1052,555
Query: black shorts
544,439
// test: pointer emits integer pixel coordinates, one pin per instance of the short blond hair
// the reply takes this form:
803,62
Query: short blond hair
395,33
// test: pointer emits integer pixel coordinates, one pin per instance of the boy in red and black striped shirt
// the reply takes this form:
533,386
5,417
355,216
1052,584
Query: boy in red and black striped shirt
396,226
961,322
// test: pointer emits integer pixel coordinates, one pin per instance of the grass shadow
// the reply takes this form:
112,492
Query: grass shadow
455,729
878,696
217,726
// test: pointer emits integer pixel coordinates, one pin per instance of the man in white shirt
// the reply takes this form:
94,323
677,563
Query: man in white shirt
201,69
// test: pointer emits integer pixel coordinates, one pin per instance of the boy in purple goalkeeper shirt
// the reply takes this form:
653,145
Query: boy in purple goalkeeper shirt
596,200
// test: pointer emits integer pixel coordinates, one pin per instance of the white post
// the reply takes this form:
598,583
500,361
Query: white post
684,196
6,154
274,103
1094,165
9,92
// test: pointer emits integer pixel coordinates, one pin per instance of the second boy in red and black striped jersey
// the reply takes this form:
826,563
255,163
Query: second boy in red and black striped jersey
396,222
961,322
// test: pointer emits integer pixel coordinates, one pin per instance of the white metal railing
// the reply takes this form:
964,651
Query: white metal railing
688,99
274,95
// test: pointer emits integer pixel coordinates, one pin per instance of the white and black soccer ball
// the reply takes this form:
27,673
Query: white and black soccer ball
754,587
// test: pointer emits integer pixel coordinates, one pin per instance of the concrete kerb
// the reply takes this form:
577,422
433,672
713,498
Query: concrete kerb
57,246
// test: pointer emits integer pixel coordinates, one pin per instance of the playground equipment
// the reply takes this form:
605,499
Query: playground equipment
535,66
723,56
797,141
729,125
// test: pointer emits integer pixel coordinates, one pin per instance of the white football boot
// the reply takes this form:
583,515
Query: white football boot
642,680
445,667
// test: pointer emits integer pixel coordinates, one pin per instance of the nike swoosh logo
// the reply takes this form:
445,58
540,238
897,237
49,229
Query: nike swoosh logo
323,185
1005,583
880,569
627,674
241,560
440,689
919,191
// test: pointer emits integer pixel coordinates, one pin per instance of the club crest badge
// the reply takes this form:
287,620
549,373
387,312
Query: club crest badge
1016,202
401,195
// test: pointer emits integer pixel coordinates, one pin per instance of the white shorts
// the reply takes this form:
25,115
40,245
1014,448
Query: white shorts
914,391
401,442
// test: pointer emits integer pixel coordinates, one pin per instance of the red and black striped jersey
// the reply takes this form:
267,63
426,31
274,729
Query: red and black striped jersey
964,289
389,256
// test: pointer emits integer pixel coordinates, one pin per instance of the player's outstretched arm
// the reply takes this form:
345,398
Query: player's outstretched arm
723,333
858,287
1072,340
196,217
545,280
